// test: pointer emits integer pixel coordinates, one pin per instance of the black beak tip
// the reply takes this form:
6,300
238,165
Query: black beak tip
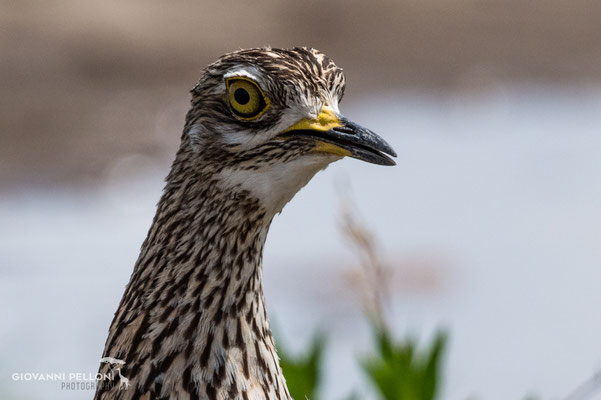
387,161
388,152
377,157
366,142
386,148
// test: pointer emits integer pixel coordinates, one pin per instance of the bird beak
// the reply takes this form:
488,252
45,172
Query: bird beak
335,134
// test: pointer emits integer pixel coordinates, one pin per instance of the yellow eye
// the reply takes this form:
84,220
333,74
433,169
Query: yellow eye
246,98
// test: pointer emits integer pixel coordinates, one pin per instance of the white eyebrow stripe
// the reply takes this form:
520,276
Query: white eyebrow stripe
246,72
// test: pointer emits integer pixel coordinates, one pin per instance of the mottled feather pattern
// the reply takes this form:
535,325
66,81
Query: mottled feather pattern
192,322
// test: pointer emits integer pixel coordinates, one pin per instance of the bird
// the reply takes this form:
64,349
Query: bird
192,322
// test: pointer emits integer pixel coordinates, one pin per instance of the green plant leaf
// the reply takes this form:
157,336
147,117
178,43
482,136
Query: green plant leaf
398,371
303,373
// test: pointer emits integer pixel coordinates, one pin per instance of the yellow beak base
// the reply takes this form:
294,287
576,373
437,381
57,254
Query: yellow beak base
336,135
325,121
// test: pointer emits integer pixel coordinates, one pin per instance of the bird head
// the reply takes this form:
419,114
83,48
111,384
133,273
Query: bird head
266,120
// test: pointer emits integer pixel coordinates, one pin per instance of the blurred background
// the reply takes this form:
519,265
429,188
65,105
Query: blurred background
490,224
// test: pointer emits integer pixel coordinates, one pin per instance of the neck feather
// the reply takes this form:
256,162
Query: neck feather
192,321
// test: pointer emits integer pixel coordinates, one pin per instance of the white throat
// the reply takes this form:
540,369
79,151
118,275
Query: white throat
275,185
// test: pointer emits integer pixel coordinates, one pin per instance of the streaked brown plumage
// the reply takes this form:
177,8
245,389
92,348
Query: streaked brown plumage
192,321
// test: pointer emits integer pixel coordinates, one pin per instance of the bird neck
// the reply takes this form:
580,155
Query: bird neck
192,319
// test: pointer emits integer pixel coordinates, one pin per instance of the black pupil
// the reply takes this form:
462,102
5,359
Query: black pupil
241,96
